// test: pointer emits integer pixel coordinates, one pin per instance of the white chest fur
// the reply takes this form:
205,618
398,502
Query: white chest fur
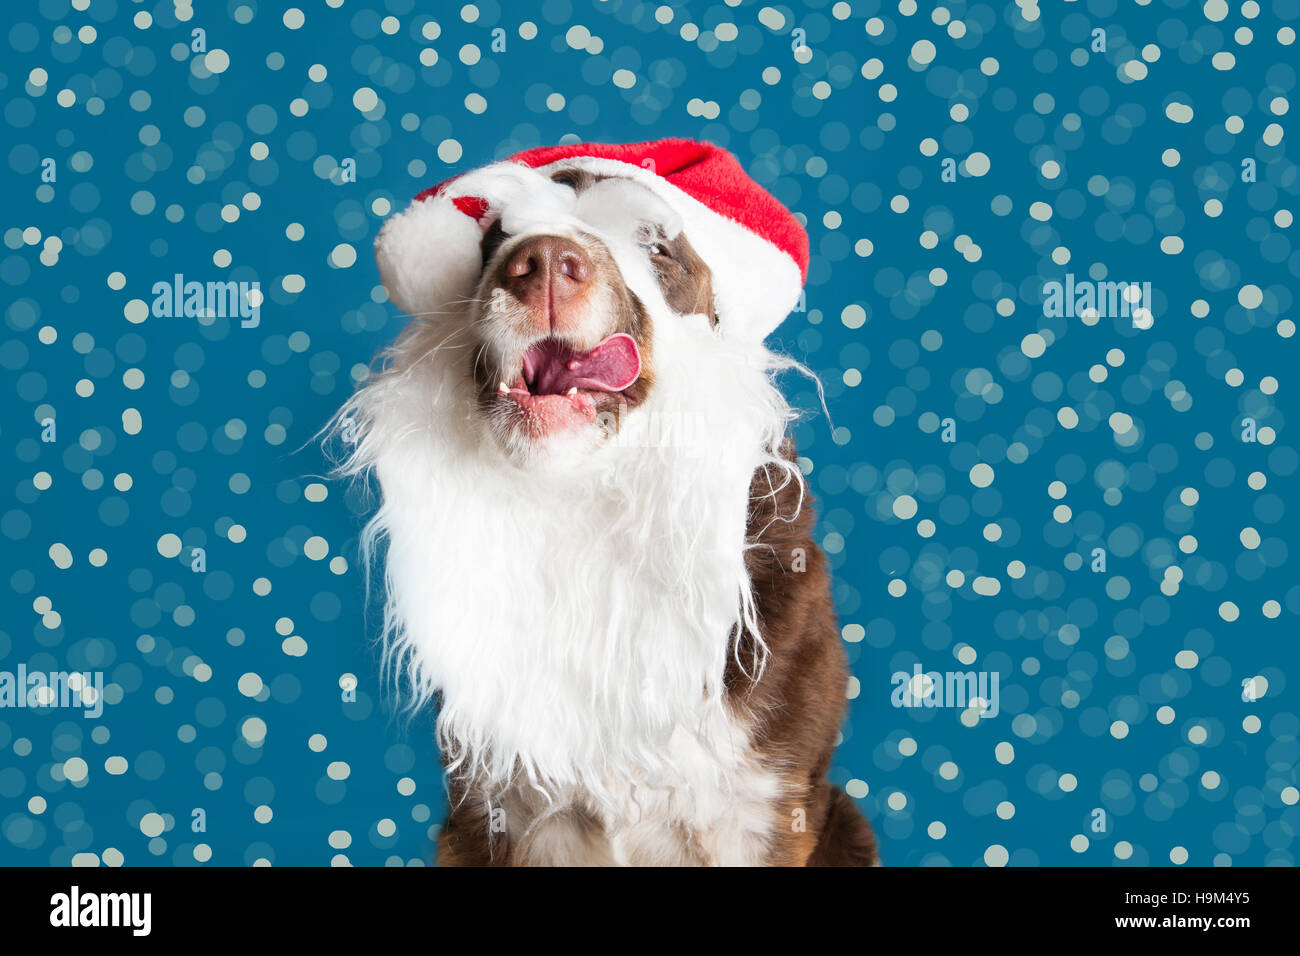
714,808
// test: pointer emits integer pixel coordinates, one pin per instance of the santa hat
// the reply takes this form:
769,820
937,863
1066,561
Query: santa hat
429,255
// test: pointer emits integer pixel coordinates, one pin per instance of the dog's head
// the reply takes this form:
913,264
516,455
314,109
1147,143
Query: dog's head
582,290
572,293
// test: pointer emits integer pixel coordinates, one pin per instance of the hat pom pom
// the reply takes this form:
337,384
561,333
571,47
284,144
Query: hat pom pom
429,255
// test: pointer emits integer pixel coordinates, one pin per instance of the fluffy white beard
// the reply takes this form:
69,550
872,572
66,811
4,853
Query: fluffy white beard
573,613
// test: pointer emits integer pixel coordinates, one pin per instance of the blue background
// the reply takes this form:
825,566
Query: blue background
1115,694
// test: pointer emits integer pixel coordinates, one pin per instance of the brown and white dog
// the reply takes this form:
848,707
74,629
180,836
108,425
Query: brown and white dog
600,559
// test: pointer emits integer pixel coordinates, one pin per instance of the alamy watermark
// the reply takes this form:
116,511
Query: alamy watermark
229,299
1088,299
661,429
977,690
37,689
74,908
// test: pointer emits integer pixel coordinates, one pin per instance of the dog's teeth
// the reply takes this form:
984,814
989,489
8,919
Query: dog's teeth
573,365
573,390
503,389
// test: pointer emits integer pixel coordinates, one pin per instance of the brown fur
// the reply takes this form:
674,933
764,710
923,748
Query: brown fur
797,706
686,281
464,839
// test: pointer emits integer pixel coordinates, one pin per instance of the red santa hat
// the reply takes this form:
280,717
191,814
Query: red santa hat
429,255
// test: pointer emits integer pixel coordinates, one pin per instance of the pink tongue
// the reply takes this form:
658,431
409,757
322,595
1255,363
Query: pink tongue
611,366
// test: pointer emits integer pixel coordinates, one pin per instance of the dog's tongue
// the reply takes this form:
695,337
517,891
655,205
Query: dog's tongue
611,366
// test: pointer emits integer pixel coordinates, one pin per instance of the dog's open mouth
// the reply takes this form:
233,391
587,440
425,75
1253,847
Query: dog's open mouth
557,386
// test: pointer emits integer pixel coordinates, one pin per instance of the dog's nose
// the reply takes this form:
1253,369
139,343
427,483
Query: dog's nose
546,273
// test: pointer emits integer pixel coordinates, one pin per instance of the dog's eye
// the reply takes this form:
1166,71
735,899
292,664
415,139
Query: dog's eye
492,240
658,250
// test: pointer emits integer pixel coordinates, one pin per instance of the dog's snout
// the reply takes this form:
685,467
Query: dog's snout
547,273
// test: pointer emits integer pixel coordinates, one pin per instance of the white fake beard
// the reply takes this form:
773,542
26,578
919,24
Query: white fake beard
572,617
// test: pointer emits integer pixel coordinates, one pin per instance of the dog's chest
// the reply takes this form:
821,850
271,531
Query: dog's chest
717,806
712,814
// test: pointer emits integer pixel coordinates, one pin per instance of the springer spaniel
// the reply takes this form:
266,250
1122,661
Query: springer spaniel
599,549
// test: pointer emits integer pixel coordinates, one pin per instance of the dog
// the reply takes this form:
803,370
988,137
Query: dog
599,554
